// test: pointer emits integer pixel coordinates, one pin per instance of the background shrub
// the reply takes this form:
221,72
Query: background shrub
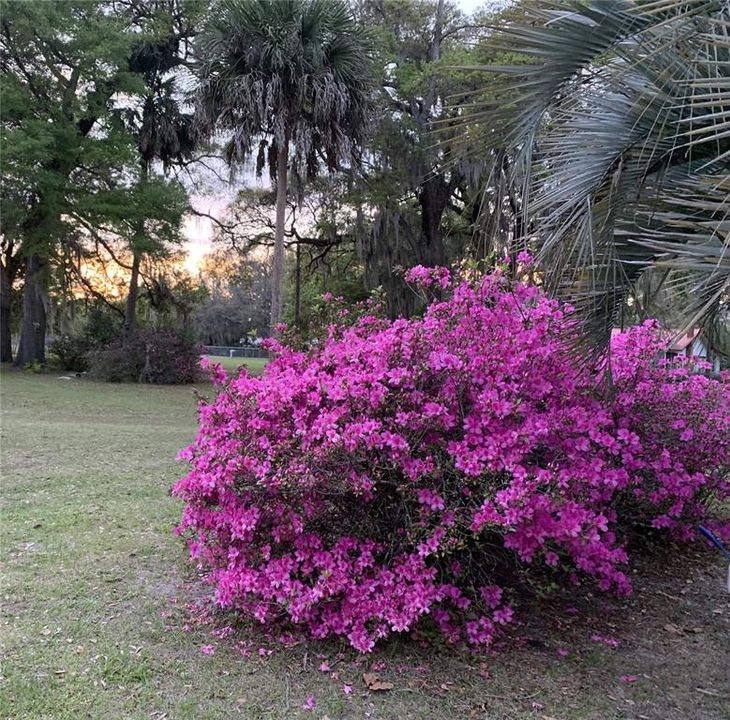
71,351
160,356
415,469
95,329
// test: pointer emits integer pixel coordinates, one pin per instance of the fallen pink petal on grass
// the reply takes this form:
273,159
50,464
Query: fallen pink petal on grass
207,650
310,704
608,641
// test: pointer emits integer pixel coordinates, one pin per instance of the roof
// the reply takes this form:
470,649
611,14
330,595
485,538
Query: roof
682,342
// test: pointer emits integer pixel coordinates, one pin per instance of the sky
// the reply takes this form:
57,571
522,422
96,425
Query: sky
469,6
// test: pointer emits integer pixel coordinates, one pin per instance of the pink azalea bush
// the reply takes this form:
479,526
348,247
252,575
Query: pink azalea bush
401,470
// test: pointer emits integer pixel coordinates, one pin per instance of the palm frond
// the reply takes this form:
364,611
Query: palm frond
292,71
618,131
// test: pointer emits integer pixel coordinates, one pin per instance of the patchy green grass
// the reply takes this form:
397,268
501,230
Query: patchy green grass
95,588
255,365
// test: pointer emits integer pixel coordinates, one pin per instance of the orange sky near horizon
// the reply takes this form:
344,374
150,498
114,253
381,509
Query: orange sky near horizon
199,231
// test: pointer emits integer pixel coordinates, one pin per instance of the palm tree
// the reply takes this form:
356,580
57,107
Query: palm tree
291,77
616,119
160,124
163,135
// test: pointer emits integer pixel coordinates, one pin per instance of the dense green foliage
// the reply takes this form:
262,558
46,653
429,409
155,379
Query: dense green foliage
72,86
96,328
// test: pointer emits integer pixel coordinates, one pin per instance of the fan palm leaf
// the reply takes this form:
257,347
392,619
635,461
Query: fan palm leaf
619,127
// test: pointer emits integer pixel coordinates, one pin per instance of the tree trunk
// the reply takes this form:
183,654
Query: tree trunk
6,348
298,287
32,345
433,198
277,268
130,312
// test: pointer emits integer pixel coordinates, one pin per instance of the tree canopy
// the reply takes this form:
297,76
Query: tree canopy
393,134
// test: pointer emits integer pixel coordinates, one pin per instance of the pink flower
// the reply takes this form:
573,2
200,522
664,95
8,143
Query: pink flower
324,667
433,501
344,491
347,689
218,375
426,277
562,652
310,704
207,649
524,259
491,594
609,641
503,615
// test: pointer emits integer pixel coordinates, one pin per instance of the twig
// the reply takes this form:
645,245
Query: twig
286,705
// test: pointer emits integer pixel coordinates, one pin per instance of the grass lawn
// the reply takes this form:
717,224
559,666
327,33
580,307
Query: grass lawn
97,594
255,365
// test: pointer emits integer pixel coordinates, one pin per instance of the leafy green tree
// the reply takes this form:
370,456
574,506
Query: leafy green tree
62,65
161,126
293,78
83,93
619,131
421,193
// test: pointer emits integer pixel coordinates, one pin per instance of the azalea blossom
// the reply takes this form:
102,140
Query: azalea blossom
354,488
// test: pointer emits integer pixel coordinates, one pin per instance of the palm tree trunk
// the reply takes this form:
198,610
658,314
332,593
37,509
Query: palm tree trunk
298,287
32,345
130,311
277,268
